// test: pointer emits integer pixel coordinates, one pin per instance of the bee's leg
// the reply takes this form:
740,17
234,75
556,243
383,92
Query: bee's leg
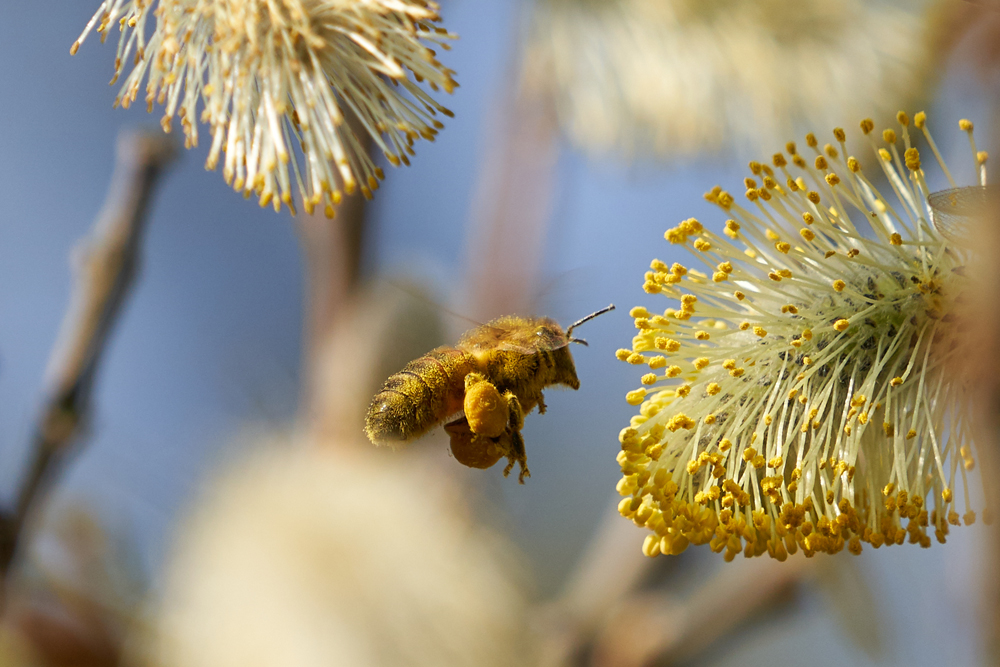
485,409
541,404
516,452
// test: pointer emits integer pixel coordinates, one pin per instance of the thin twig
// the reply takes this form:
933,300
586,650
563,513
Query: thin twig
108,263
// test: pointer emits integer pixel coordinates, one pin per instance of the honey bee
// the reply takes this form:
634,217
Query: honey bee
489,381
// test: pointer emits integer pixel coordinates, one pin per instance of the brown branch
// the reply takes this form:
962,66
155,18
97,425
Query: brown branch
108,263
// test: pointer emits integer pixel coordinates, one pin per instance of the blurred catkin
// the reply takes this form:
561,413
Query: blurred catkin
309,556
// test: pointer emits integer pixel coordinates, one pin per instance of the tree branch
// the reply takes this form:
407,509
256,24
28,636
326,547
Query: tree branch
107,266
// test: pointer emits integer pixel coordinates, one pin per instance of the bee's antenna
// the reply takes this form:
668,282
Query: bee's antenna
585,319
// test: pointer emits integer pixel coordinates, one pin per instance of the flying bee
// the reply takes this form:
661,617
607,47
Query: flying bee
491,379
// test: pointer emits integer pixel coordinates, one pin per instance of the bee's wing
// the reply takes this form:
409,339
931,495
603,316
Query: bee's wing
954,210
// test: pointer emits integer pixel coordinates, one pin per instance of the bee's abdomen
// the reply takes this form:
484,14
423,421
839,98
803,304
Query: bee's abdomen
415,399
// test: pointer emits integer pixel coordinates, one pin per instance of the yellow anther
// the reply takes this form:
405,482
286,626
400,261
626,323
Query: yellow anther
807,234
896,381
701,362
783,247
912,159
813,196
702,245
673,371
702,335
657,362
811,140
889,136
839,285
853,164
779,160
830,151
832,180
635,397
911,434
903,119
709,419
638,311
749,453
896,239
982,157
965,125
867,125
760,331
841,325
648,378
807,334
946,495
713,388
744,326
739,295
839,134
755,167
635,359
729,364
725,445
623,354
820,162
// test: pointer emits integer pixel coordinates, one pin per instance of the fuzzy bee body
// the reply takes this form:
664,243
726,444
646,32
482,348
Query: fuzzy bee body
489,381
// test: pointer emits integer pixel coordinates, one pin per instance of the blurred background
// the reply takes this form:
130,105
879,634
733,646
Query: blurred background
210,345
